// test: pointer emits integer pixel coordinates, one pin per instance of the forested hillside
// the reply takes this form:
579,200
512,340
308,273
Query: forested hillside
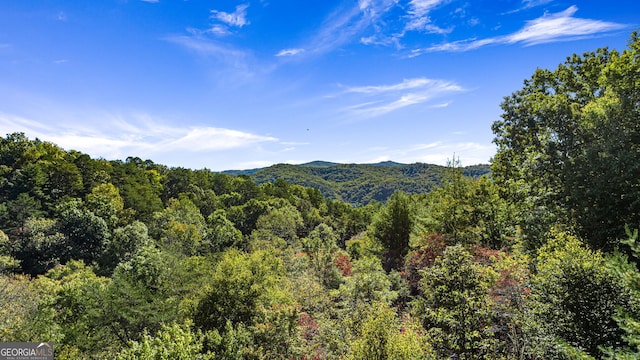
359,184
134,260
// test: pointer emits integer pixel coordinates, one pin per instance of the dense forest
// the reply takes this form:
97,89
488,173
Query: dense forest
135,260
359,184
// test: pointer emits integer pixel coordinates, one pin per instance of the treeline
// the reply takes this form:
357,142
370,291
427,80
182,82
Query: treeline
134,260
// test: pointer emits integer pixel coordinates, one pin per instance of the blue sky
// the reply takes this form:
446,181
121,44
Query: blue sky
241,84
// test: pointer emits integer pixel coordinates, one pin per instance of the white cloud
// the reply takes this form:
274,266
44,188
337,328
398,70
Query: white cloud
419,16
404,85
290,52
232,58
151,1
253,164
132,134
439,152
416,18
382,99
345,25
562,26
219,30
533,3
237,18
199,139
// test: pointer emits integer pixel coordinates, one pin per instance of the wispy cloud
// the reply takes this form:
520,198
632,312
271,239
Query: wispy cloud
138,134
237,18
151,1
560,26
439,152
345,25
419,19
378,100
528,4
404,85
233,58
555,27
533,3
416,18
289,52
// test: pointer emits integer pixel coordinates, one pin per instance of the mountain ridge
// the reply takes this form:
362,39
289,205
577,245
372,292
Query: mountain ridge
358,184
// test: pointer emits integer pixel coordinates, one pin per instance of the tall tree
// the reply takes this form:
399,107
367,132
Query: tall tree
454,306
569,146
392,228
575,297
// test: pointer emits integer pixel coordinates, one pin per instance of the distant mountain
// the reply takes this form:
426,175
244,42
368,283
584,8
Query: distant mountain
358,184
320,164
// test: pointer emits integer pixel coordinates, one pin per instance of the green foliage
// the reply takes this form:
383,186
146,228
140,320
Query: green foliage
627,321
7,261
466,211
140,186
359,184
221,233
105,202
180,227
80,310
321,248
284,222
392,227
455,307
368,283
575,298
25,305
240,284
175,341
381,337
124,243
42,246
568,147
85,233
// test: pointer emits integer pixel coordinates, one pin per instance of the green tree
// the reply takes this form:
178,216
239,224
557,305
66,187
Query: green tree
247,300
180,227
105,202
137,297
466,211
7,261
575,297
284,222
43,247
240,284
86,234
140,185
628,322
221,233
455,307
321,248
568,147
19,210
26,304
79,308
175,341
123,245
392,227
381,337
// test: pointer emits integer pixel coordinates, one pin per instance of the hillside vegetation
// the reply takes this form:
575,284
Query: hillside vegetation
359,184
133,260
